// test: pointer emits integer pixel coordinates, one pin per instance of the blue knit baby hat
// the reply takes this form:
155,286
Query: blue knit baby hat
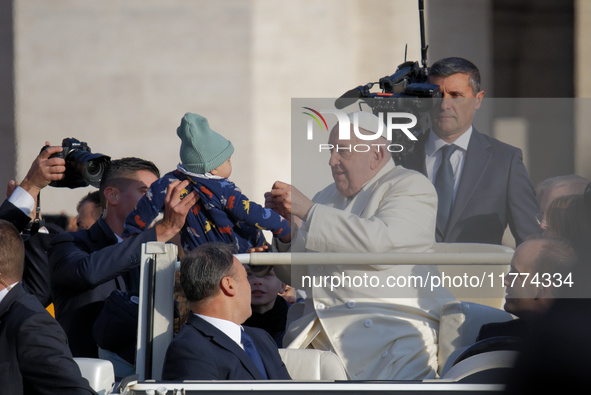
202,149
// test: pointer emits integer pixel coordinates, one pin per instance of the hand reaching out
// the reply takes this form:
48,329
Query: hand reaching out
43,171
10,187
287,200
176,209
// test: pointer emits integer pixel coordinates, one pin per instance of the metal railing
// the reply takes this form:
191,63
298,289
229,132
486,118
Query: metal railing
159,263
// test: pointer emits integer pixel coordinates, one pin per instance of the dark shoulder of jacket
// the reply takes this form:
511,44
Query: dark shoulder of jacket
98,235
26,301
498,145
261,334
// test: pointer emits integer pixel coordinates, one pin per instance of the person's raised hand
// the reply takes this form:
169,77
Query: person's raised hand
287,200
44,170
10,187
262,248
176,207
279,199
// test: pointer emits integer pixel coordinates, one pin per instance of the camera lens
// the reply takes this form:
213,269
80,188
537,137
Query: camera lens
94,169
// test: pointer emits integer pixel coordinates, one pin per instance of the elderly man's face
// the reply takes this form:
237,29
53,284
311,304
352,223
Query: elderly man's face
350,169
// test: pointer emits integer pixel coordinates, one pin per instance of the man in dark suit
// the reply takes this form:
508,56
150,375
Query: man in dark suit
482,184
90,264
212,345
34,353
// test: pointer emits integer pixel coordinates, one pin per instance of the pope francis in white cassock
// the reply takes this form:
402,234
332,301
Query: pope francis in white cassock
373,206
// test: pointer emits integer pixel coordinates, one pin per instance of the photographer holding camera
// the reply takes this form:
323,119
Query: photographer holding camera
22,197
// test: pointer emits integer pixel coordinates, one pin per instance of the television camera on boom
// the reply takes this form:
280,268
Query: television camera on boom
407,90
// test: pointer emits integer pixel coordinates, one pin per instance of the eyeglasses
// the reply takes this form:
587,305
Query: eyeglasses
540,218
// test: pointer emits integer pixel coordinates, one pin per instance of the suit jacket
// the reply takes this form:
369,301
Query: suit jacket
513,328
86,266
376,334
34,353
494,191
13,214
200,351
36,272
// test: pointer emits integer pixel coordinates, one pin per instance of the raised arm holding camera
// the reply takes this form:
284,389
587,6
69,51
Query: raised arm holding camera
21,197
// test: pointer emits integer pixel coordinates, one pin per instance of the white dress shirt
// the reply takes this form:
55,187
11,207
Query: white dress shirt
229,328
5,291
433,156
21,199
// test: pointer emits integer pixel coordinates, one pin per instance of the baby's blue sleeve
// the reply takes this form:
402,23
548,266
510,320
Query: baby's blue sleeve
253,214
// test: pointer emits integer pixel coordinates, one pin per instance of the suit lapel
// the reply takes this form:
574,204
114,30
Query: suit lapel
13,295
222,340
477,160
102,236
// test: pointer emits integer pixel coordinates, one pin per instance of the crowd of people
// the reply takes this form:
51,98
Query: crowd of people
457,185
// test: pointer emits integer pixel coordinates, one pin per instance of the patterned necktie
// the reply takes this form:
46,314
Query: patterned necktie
444,184
253,353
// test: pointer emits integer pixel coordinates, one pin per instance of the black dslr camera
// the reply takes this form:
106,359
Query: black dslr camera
83,168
